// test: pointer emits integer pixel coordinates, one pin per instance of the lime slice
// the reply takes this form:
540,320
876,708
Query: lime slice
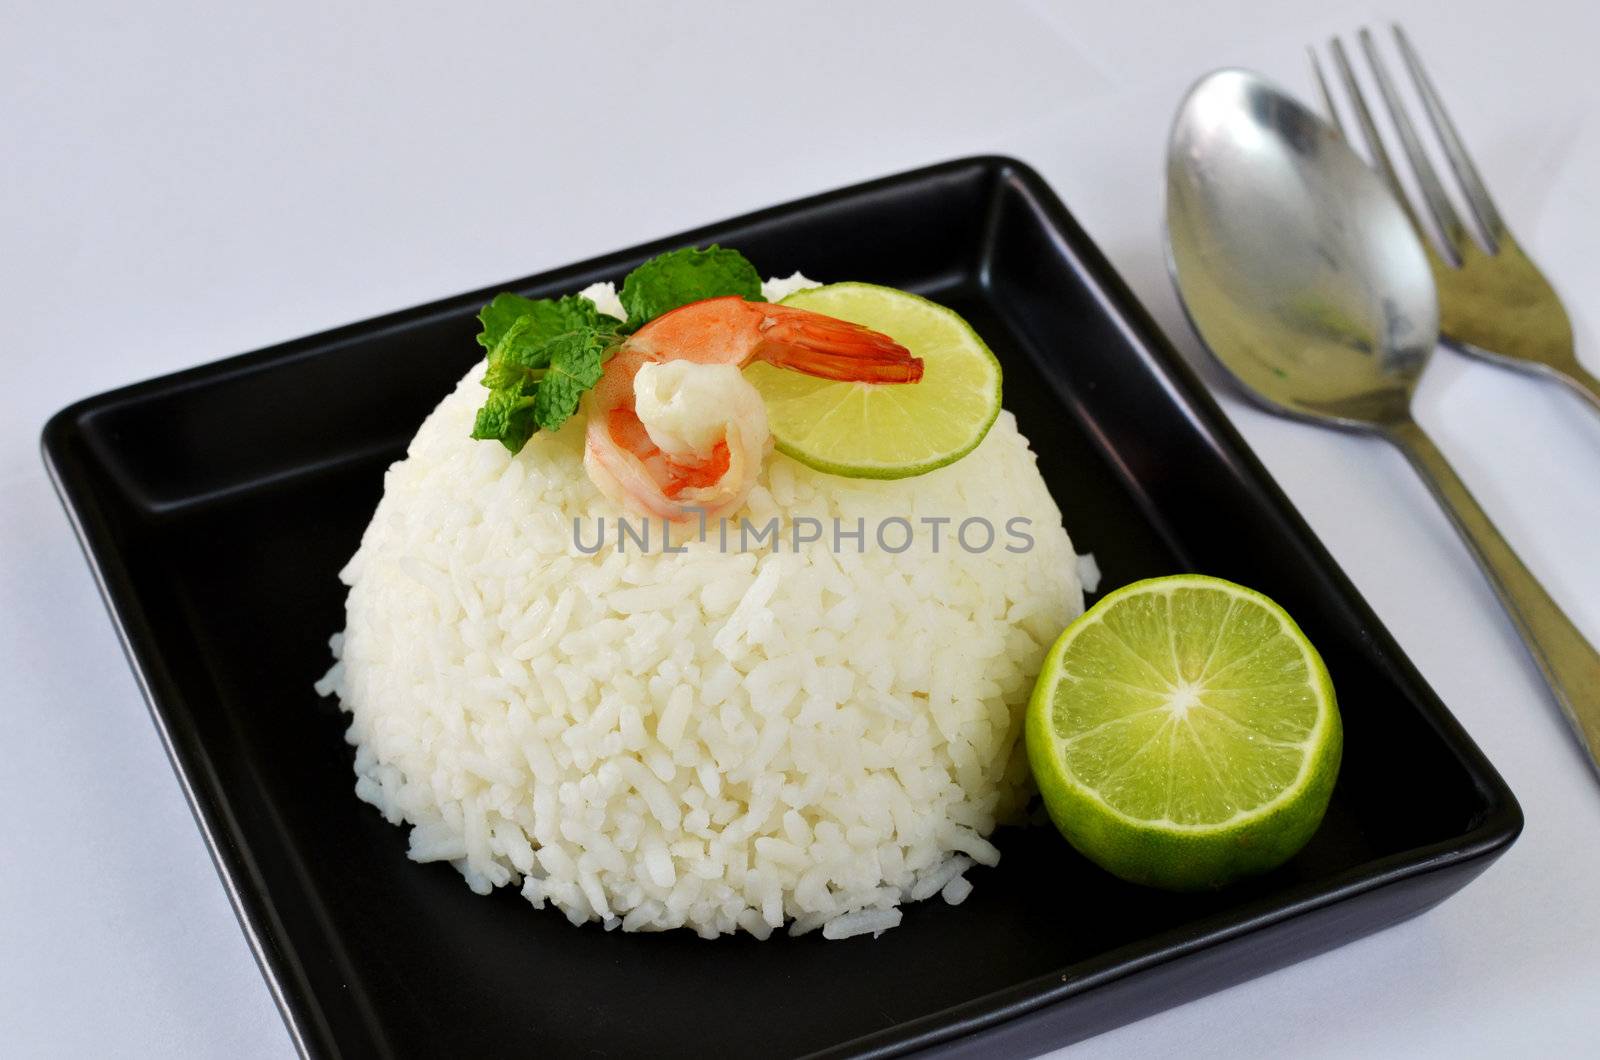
1183,733
885,430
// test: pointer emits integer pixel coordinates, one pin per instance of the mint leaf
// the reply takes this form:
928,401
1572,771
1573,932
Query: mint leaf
498,316
524,351
545,354
548,317
507,417
576,362
679,277
540,363
521,350
524,336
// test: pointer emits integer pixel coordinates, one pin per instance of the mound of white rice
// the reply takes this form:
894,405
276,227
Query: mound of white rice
708,739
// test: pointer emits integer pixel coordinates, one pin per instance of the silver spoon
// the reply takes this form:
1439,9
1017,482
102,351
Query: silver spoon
1307,283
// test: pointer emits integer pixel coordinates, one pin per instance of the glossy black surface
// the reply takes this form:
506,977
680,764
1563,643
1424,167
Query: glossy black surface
217,506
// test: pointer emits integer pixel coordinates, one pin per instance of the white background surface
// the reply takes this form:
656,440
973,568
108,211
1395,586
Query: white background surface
185,181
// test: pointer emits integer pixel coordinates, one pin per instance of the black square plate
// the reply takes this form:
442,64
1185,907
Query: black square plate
217,505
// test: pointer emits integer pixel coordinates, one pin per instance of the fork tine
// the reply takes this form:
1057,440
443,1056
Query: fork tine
1327,97
1456,151
1369,132
1451,229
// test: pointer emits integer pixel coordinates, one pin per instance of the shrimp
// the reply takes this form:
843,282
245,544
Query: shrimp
676,431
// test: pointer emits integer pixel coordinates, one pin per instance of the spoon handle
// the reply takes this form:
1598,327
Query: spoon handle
1569,662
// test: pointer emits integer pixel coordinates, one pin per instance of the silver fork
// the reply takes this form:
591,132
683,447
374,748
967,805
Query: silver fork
1494,302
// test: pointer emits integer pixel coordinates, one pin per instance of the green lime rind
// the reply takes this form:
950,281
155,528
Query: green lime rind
1163,852
886,431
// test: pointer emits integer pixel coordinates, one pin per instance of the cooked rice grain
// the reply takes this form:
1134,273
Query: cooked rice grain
718,741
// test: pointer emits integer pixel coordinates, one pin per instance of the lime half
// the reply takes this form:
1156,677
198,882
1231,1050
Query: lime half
885,430
1183,733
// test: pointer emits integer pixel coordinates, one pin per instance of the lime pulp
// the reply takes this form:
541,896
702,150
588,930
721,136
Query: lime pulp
885,430
1184,733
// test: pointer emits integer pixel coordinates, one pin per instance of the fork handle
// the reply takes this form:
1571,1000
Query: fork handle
1569,662
1583,381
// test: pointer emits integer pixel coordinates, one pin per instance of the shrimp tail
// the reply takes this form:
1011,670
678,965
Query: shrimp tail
829,348
676,430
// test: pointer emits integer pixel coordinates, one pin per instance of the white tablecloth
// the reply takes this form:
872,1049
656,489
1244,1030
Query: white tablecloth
185,181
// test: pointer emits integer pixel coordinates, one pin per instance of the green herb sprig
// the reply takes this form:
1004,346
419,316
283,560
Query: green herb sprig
544,354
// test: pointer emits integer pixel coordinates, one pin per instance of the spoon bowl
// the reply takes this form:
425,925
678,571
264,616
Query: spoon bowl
1305,279
1296,265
